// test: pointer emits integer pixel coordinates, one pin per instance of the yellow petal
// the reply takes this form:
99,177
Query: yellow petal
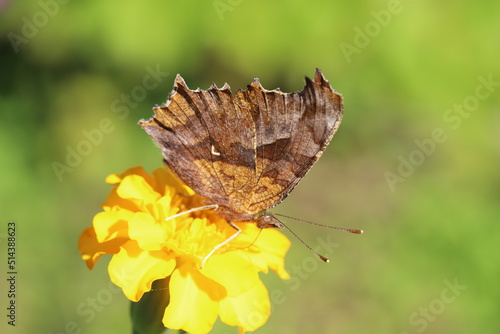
272,246
113,179
136,189
110,225
231,271
194,301
147,248
114,202
134,270
91,249
148,232
163,177
168,206
249,310
117,178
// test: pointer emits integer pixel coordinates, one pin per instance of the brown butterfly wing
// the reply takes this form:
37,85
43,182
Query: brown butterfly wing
292,131
245,152
209,143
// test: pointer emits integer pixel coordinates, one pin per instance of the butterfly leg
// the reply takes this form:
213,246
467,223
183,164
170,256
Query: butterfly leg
238,231
206,207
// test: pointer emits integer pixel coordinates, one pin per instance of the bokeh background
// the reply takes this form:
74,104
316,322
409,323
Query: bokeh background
421,84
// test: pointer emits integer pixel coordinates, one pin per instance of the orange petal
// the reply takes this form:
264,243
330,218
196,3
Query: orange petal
248,311
134,270
91,249
194,301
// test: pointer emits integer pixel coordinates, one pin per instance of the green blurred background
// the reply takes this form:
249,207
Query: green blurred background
428,261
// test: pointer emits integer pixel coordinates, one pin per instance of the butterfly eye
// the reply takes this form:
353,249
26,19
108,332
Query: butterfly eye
267,220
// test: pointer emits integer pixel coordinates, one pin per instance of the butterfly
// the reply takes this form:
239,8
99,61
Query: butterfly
245,152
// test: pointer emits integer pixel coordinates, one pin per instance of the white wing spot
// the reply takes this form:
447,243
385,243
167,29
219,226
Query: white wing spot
214,152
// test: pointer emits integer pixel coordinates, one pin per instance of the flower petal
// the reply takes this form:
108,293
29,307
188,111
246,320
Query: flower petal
148,233
136,189
110,225
91,249
117,178
149,245
231,271
194,301
134,270
162,177
114,202
272,246
249,311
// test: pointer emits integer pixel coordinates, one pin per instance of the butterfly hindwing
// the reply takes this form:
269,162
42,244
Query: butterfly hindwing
247,151
293,130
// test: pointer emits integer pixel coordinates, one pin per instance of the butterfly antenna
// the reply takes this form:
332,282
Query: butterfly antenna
309,247
350,230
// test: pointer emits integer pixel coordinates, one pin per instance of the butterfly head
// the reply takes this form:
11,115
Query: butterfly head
265,219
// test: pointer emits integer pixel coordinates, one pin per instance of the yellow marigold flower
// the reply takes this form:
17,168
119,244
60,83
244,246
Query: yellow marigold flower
147,246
